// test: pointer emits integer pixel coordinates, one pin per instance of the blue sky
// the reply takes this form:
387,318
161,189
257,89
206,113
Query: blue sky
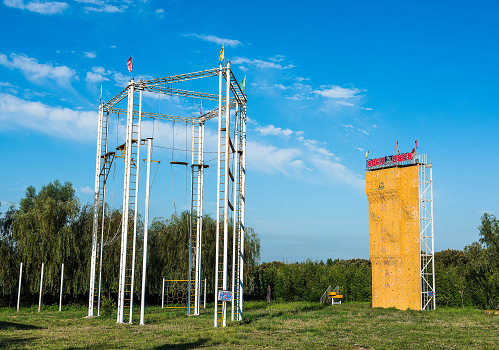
325,80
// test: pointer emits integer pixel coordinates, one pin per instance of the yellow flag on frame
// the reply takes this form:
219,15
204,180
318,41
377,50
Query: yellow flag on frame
221,58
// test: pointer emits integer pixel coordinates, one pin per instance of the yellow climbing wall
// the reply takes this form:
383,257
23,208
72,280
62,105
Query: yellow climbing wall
394,246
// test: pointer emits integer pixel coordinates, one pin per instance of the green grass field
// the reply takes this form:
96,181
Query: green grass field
275,326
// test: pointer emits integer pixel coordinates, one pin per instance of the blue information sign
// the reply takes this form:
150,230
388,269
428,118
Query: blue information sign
224,295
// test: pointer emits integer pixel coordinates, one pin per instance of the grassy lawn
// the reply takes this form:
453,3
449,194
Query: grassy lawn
277,325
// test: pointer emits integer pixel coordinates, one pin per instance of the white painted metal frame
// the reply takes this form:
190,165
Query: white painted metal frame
428,297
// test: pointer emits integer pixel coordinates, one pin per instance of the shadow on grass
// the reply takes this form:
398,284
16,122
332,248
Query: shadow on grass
16,343
192,345
12,325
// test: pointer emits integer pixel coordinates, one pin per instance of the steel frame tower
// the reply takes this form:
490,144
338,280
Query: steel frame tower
229,157
428,300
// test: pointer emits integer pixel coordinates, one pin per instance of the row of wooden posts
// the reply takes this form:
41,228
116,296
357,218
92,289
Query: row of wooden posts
41,286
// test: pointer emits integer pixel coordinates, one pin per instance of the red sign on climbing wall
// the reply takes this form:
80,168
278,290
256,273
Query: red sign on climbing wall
404,158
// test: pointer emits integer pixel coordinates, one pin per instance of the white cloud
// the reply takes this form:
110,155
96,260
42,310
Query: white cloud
36,72
95,2
243,68
95,77
374,126
272,130
312,146
120,79
112,47
216,40
44,8
90,54
56,121
277,58
343,103
260,63
160,11
107,8
295,97
360,149
338,172
363,131
270,159
334,91
86,190
280,86
298,163
348,126
367,109
300,79
8,87
320,164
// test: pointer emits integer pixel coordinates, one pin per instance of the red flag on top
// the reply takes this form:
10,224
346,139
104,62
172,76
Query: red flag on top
413,150
396,144
416,143
201,112
129,64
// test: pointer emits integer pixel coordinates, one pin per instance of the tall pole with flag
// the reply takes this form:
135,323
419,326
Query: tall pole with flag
222,55
396,144
129,65
243,84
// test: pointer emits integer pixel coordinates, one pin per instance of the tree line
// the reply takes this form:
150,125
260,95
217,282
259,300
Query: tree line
51,226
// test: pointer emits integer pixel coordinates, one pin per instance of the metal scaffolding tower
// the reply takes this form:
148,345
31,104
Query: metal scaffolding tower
428,300
231,177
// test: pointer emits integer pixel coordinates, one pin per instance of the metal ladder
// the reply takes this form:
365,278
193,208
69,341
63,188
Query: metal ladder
99,206
223,203
195,239
238,234
128,239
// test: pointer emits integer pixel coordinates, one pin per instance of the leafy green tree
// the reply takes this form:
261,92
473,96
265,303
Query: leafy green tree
9,260
44,232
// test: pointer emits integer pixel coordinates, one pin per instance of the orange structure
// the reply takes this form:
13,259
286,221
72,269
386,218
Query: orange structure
394,236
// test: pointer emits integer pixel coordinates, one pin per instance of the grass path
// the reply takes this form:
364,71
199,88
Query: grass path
273,326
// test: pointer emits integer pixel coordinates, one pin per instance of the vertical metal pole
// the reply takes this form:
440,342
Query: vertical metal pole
126,201
226,193
432,240
163,294
243,206
189,277
421,225
234,233
137,182
41,285
218,190
146,225
95,224
201,195
19,291
205,293
62,279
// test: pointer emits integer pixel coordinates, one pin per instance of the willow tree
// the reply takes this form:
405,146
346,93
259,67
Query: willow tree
45,232
168,252
9,261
